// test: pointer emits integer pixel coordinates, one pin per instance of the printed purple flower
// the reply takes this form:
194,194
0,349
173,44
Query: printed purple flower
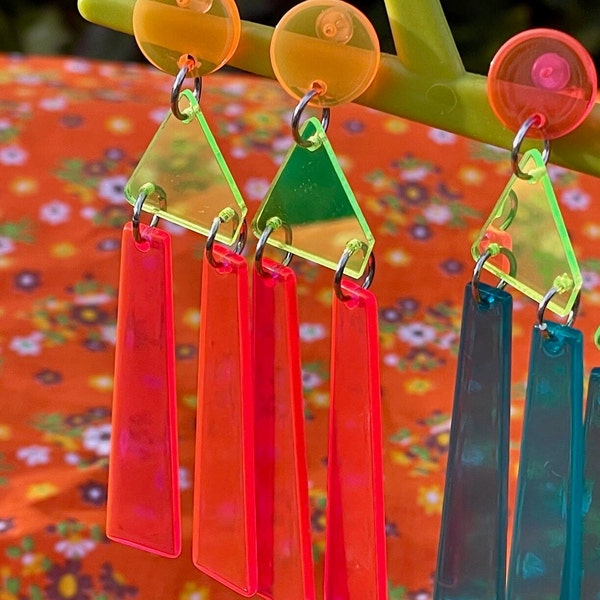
390,315
412,192
95,345
407,306
48,377
109,245
66,582
6,524
420,232
353,126
27,281
113,583
451,266
93,492
71,121
185,351
88,314
114,153
95,168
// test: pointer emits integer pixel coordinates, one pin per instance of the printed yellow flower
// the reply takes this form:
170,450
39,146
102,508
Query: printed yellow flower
430,498
399,457
64,441
191,317
119,125
592,230
33,564
190,400
192,591
102,383
418,386
64,250
41,491
397,258
395,125
23,186
471,175
5,432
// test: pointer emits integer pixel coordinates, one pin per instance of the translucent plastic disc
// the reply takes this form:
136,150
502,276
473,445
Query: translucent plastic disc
327,44
542,72
208,30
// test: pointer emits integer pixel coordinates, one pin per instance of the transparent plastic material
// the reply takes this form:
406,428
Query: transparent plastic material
192,179
224,528
314,201
590,584
143,478
285,570
472,548
355,559
327,43
546,545
542,72
208,30
529,220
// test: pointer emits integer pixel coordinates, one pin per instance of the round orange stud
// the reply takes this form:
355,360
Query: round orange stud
207,30
327,45
546,73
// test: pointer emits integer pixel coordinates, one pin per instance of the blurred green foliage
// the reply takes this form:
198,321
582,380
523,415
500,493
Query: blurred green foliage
480,28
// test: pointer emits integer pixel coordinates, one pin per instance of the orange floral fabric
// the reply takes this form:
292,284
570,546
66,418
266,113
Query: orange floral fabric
71,132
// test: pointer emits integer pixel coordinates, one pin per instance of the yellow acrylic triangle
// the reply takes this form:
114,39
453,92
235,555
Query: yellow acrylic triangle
527,223
312,198
193,182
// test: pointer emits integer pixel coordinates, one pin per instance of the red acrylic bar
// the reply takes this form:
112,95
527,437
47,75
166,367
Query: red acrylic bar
285,570
224,536
143,489
355,560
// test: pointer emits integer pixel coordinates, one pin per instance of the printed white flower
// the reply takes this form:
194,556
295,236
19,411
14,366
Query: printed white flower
30,345
185,481
55,212
414,173
234,109
112,189
13,156
6,245
282,144
97,439
109,333
76,65
34,455
311,332
29,79
555,172
447,340
172,228
238,152
92,299
234,88
74,548
158,115
390,359
416,334
575,199
72,458
256,188
439,136
5,124
591,280
310,380
88,213
57,103
437,213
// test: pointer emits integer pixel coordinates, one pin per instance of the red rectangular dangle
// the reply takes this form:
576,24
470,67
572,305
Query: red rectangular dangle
224,535
143,489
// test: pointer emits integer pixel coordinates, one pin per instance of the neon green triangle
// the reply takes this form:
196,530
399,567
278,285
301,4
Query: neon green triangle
184,162
313,199
527,222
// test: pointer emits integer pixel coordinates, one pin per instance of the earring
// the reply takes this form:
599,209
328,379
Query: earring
143,488
323,53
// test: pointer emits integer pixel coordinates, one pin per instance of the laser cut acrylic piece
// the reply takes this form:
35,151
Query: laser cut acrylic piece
224,536
355,560
546,546
529,213
542,72
590,584
193,181
327,43
143,479
208,30
311,196
472,548
285,569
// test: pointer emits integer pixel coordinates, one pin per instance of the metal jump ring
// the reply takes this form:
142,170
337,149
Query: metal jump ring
262,244
534,120
212,235
298,113
176,90
541,325
137,213
339,272
479,268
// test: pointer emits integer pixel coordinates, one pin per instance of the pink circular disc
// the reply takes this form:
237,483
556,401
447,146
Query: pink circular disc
542,72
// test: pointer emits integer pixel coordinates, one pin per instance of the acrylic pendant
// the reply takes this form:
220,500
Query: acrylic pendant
143,489
283,519
472,548
355,560
546,548
224,535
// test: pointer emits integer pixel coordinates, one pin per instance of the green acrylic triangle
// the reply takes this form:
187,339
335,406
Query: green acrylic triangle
315,203
193,181
527,223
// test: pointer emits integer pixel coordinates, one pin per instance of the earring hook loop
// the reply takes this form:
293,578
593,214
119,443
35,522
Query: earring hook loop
349,250
225,216
143,194
272,225
186,67
532,121
297,114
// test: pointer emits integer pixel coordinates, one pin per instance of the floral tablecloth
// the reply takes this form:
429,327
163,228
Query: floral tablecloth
71,132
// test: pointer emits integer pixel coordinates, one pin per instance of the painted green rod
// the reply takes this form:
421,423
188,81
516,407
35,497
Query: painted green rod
426,82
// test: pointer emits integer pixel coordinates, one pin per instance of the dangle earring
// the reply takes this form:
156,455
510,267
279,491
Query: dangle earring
325,52
543,83
472,547
143,488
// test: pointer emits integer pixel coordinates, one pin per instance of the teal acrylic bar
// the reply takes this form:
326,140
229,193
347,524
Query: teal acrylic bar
546,553
472,550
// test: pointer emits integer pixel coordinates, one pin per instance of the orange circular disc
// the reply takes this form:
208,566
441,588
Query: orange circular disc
167,30
328,45
542,72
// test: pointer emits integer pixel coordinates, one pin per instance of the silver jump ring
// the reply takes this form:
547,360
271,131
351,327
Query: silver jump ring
176,90
137,214
479,268
543,305
325,115
339,272
212,235
533,121
262,244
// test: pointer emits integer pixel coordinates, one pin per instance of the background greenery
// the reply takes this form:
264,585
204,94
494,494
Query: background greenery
480,28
